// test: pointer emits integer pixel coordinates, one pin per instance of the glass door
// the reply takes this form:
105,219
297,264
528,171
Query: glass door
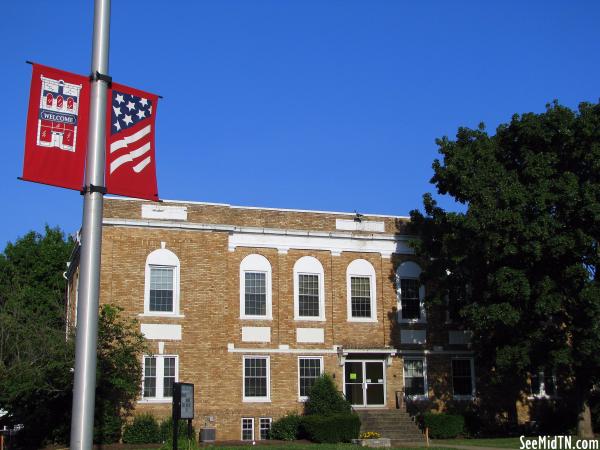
364,383
353,383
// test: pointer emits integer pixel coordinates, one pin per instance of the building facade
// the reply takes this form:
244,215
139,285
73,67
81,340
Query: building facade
251,305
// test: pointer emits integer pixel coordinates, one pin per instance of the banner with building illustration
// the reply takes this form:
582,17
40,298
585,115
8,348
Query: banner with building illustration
57,127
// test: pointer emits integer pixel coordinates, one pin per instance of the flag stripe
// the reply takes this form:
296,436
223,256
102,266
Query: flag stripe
139,167
129,157
130,139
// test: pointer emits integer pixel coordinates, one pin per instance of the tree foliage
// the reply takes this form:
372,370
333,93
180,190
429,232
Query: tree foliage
520,265
324,398
37,357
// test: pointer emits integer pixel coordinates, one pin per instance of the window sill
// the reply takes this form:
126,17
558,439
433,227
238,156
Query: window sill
362,320
302,399
156,400
256,318
256,400
309,319
167,315
416,398
412,321
463,397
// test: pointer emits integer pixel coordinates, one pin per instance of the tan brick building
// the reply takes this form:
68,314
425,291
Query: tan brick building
252,304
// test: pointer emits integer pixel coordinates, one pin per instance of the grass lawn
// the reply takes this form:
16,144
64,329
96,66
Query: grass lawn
306,446
508,442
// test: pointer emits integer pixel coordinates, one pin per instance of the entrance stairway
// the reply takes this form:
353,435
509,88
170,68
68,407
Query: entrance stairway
394,424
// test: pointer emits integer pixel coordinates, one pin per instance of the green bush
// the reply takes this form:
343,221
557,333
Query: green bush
166,430
143,430
107,423
332,428
324,398
443,426
287,428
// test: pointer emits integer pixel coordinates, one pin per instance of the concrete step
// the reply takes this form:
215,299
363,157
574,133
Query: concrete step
390,423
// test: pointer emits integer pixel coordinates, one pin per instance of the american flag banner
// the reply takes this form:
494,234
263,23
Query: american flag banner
130,155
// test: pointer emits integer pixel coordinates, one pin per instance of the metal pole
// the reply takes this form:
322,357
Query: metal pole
82,421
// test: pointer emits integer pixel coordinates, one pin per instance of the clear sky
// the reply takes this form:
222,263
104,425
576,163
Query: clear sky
307,104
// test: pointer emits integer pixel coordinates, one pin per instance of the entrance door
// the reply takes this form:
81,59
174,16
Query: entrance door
364,383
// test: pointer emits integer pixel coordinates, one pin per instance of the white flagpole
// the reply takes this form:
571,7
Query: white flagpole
84,390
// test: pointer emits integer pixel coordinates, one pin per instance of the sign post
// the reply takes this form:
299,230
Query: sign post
183,408
84,390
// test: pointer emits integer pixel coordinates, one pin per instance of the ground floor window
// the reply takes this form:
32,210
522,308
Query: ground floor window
463,383
160,372
415,378
256,379
265,427
309,369
247,428
543,384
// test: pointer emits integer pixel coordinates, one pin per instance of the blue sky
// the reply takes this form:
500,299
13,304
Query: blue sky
308,104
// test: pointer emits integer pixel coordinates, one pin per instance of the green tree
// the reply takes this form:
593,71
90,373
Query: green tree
520,265
37,357
325,399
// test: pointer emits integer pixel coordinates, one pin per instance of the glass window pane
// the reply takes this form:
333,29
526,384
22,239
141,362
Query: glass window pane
149,389
265,427
169,376
255,293
247,429
161,288
310,370
409,296
462,382
414,377
308,295
255,377
360,296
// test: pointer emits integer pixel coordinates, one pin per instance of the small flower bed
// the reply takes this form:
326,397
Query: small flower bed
370,435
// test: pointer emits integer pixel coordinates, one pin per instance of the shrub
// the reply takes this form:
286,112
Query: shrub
443,426
287,428
107,423
332,428
324,398
166,430
143,430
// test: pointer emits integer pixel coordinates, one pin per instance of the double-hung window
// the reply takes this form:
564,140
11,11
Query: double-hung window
415,378
255,288
247,428
362,306
256,379
543,384
265,427
160,372
161,294
308,289
410,292
309,369
463,378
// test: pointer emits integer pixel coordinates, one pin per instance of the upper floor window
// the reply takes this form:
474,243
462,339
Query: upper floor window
361,297
309,302
255,288
161,295
411,294
463,378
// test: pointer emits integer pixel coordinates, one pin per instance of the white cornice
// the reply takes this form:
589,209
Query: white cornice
283,239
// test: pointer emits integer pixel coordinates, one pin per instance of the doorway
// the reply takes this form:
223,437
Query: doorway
364,383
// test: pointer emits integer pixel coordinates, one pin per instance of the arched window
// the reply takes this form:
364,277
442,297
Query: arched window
161,296
309,297
410,292
361,298
255,288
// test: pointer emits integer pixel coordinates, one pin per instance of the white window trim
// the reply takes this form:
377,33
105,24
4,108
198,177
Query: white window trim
361,268
303,398
242,429
260,419
541,394
260,264
411,271
473,388
162,258
266,399
309,265
426,386
160,373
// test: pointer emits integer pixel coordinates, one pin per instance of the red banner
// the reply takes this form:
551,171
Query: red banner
57,128
130,156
